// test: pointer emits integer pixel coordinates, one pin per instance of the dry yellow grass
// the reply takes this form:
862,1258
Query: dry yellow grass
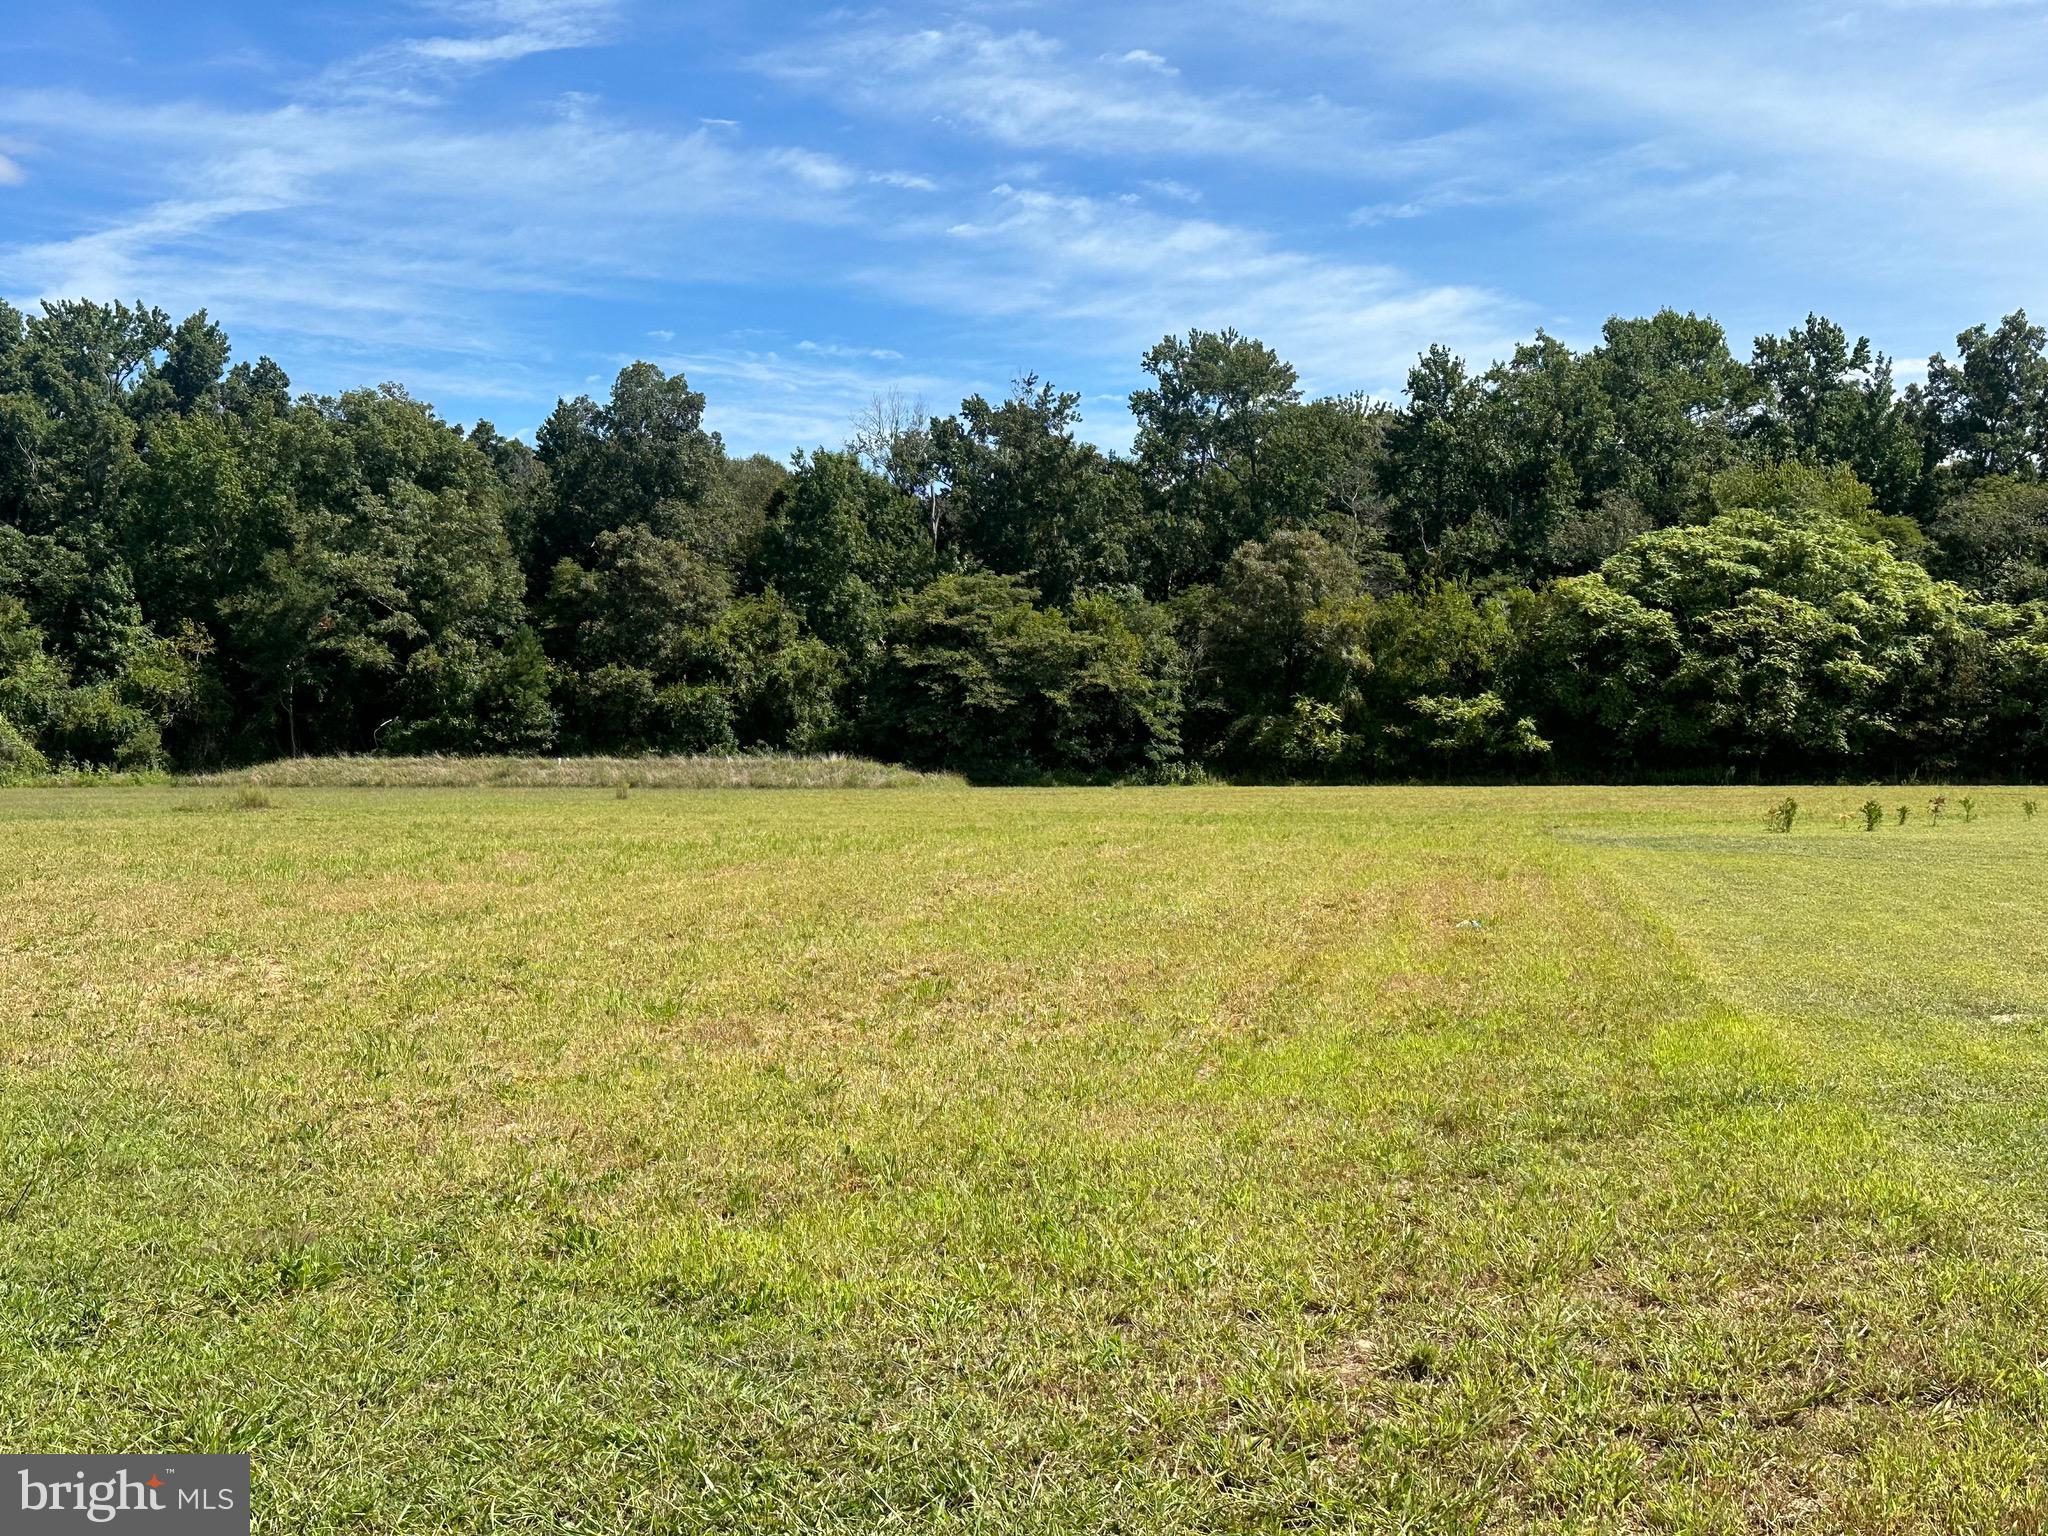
734,771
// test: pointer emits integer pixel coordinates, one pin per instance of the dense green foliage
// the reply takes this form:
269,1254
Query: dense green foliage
1650,556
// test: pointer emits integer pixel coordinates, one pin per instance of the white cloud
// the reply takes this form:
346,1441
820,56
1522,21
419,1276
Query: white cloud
1144,58
765,401
1951,107
825,173
833,349
502,30
1381,213
375,241
11,173
492,32
1121,276
1028,90
1528,187
382,229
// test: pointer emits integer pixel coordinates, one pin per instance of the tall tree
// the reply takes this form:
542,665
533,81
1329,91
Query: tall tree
1678,396
1028,499
1202,430
1988,410
1826,400
195,357
642,458
1434,470
841,545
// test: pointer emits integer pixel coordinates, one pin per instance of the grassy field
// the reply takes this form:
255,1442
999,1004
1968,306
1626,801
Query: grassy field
974,1160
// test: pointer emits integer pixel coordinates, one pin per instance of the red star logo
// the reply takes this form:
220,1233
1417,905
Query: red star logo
154,1481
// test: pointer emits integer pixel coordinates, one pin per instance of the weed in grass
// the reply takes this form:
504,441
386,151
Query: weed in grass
245,799
1936,806
1873,815
1423,1363
1905,812
2030,806
1969,805
1780,816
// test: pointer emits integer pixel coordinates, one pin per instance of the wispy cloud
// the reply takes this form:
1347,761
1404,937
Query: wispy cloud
1124,275
1145,58
757,397
835,349
1027,90
494,196
365,240
365,234
1858,87
479,34
821,172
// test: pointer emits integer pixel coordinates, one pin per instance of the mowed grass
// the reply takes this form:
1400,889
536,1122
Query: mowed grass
976,1160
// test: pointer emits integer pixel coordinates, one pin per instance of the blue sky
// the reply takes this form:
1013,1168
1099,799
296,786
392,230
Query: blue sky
500,201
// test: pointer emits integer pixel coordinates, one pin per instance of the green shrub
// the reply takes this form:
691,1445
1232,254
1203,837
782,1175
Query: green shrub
781,682
693,718
1654,657
1175,775
1873,815
96,725
1309,739
975,675
1779,817
19,758
460,697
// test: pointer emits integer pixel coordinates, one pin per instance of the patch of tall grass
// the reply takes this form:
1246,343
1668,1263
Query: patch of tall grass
739,771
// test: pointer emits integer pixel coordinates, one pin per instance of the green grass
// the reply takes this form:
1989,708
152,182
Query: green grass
1089,1160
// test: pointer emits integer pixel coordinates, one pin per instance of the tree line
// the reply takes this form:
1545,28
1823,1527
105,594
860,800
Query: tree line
1646,558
